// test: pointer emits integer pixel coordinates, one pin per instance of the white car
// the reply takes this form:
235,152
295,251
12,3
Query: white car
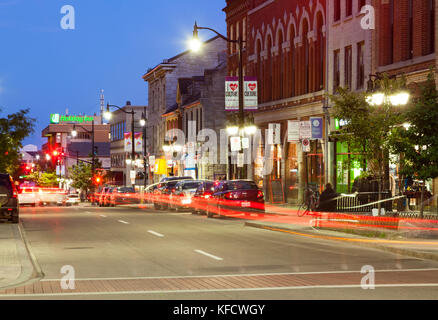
72,200
29,196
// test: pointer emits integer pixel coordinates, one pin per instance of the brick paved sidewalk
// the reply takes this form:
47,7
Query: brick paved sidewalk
231,282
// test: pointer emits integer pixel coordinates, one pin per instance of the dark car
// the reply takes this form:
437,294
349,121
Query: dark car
123,195
162,194
181,198
236,196
201,197
149,193
9,208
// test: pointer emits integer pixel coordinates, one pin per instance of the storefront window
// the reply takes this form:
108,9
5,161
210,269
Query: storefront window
314,161
292,173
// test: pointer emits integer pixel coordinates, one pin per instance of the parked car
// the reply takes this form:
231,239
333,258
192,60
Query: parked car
51,196
201,197
148,196
107,197
101,196
123,195
181,197
9,203
72,200
175,178
234,196
162,194
28,196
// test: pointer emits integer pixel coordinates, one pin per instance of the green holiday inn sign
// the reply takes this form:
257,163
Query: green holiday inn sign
57,118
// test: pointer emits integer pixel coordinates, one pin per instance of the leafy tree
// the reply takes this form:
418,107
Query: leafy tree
13,130
48,179
418,142
81,176
368,127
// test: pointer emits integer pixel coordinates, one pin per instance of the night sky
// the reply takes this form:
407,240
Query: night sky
49,70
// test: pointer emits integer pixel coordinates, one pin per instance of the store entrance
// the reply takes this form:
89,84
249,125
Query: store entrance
315,166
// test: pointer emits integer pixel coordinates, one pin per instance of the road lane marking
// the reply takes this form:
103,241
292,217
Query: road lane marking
208,255
156,233
103,216
121,221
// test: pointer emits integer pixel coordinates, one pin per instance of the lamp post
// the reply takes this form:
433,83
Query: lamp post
132,113
74,133
379,96
145,159
196,46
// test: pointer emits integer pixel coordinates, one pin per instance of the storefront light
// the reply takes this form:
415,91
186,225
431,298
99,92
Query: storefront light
250,130
177,148
166,148
233,130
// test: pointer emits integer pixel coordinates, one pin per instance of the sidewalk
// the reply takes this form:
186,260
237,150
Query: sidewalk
16,266
395,242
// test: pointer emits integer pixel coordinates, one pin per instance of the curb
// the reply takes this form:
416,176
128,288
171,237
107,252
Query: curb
401,251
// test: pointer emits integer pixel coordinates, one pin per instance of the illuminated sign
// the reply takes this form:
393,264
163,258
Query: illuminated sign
57,118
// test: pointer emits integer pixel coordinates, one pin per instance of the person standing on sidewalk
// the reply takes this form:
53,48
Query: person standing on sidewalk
327,200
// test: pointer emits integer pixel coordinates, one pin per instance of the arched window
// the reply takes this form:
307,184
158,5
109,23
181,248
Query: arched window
269,71
306,53
259,68
281,65
320,49
292,57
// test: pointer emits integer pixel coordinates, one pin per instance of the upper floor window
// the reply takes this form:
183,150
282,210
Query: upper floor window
361,4
360,82
336,71
348,8
337,10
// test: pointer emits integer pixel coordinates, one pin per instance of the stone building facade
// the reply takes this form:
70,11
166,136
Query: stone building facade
163,83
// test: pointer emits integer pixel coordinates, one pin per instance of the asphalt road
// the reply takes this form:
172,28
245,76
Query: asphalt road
125,253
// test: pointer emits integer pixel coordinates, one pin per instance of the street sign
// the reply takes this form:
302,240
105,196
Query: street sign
235,144
305,130
316,124
293,131
306,145
274,133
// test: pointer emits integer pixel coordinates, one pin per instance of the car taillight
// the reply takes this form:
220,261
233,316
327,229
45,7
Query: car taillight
228,196
14,194
260,194
207,196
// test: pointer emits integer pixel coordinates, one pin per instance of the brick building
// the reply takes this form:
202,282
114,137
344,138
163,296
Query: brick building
285,48
406,42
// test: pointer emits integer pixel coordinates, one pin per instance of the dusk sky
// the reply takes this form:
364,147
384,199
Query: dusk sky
48,69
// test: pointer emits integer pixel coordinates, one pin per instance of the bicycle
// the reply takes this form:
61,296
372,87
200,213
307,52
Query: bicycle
310,204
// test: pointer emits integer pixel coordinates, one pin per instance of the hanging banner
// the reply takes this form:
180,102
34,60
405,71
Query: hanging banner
231,93
316,123
240,160
293,131
138,140
274,133
250,94
305,130
128,142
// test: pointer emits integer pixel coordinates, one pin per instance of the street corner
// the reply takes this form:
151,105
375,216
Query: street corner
16,264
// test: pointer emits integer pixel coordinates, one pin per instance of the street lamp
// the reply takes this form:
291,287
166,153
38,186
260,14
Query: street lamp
195,45
145,158
74,133
108,115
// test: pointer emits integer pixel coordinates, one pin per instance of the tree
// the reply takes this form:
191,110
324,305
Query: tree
81,176
368,127
418,141
13,129
48,179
